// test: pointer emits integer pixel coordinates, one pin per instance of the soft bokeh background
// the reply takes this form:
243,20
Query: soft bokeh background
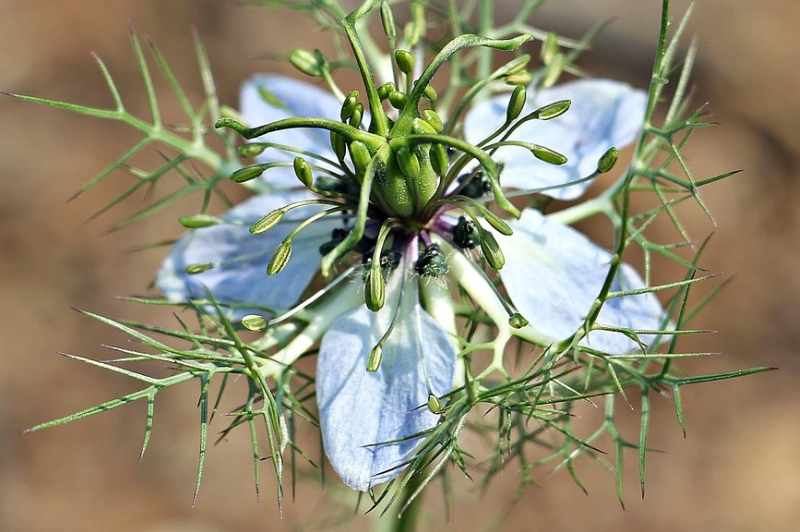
737,471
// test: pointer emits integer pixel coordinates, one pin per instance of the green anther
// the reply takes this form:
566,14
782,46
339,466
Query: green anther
552,110
433,118
517,65
254,322
439,159
549,156
252,149
303,171
267,222
339,145
375,357
405,61
517,103
491,250
269,97
231,123
522,79
360,156
248,173
358,114
549,48
385,90
308,63
281,258
408,162
387,20
194,269
608,160
431,94
349,105
397,99
497,223
197,221
375,289
554,70
517,321
434,405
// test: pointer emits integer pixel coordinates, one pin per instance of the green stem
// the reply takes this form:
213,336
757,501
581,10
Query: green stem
408,521
345,130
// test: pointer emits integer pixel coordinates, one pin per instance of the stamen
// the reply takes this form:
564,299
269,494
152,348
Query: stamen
515,319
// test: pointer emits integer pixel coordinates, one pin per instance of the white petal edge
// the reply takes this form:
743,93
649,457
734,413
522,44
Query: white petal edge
358,408
240,259
553,273
604,113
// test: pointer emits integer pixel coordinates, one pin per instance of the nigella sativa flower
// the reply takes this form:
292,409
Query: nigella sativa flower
398,204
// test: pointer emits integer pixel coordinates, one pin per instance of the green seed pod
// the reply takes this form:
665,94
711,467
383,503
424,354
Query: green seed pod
197,221
358,114
267,222
303,171
433,118
339,145
522,79
431,94
254,322
385,90
375,289
252,149
517,321
387,20
552,110
608,160
306,62
281,258
549,48
517,103
359,155
248,173
408,163
498,223
549,156
194,269
397,99
439,159
491,250
349,105
405,61
433,404
375,357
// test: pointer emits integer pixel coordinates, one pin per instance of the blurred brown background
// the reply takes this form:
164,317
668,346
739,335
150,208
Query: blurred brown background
737,471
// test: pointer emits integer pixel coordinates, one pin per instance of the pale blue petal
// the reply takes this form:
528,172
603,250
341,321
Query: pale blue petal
358,408
553,273
297,99
604,113
240,259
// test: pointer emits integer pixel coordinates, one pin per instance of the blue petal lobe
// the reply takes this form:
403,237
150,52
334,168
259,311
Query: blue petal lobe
553,273
288,98
604,113
240,259
358,408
